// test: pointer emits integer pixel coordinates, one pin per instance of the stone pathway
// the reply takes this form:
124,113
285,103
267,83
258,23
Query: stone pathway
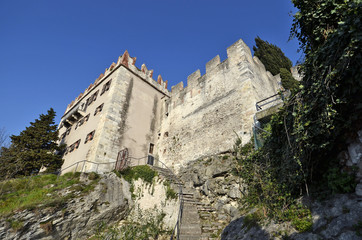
200,221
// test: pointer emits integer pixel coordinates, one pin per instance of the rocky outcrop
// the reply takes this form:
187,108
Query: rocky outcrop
211,196
351,158
76,219
336,218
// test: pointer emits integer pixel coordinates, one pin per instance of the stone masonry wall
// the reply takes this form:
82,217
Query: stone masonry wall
204,117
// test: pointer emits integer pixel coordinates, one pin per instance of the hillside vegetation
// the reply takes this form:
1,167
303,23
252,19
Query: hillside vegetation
299,156
41,191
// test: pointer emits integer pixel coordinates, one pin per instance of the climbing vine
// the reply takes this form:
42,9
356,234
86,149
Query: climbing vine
298,157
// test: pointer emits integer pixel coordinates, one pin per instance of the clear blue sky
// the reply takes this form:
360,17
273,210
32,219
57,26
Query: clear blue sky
50,51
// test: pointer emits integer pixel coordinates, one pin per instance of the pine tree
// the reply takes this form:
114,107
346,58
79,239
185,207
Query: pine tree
33,148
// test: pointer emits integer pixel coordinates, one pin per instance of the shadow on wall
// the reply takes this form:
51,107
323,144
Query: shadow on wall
244,228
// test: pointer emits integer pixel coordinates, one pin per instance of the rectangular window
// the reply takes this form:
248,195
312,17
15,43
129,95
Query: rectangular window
76,125
72,147
106,87
86,118
80,123
98,109
62,136
150,160
89,137
94,97
89,101
151,148
68,130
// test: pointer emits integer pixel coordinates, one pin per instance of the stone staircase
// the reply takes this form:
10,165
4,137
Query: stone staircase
200,221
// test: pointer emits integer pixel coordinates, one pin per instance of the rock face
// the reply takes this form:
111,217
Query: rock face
352,158
211,196
337,218
80,217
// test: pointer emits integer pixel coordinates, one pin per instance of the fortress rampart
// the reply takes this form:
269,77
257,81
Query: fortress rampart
126,108
207,115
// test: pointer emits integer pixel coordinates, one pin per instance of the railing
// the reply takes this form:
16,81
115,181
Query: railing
177,228
263,102
258,131
84,162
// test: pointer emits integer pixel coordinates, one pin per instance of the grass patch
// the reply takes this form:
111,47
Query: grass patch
15,224
40,191
133,173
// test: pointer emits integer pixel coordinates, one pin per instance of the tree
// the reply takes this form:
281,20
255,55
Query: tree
288,80
33,148
315,124
275,62
3,137
271,56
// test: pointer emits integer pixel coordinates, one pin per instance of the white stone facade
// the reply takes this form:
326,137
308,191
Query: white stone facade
201,119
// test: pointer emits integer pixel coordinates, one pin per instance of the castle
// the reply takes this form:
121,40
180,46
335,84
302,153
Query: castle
126,108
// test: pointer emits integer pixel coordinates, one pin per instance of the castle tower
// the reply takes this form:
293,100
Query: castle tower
119,110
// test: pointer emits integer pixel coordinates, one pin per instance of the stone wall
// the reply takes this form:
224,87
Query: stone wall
204,117
129,117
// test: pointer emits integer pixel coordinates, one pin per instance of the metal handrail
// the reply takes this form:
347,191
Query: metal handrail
177,227
84,161
259,106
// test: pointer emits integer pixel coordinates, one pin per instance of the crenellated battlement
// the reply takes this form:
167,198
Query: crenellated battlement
128,62
237,53
205,115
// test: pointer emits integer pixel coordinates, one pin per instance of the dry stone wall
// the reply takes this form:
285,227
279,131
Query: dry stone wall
204,117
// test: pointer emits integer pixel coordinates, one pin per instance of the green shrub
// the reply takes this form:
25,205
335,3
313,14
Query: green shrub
170,193
15,224
150,228
340,182
133,173
288,80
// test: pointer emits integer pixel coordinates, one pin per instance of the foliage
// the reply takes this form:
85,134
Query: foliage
32,149
287,79
300,217
170,193
314,124
39,191
150,228
271,56
144,172
15,224
340,182
3,138
358,228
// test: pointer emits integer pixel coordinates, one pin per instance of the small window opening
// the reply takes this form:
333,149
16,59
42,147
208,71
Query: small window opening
151,148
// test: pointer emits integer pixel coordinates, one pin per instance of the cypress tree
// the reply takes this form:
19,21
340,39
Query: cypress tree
275,62
271,56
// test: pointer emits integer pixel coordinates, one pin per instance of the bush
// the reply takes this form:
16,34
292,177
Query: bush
144,172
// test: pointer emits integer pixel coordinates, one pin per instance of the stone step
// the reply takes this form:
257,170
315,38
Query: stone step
190,237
